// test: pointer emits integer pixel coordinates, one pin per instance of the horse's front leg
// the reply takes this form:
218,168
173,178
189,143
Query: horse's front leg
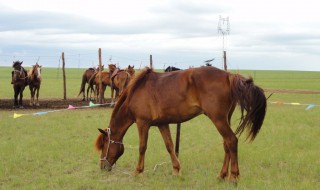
143,140
32,96
20,99
16,94
37,96
166,135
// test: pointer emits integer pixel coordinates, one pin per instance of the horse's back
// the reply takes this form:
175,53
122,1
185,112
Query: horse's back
181,95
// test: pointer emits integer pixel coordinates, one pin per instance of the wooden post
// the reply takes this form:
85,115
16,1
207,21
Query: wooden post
178,139
64,78
225,60
151,64
100,78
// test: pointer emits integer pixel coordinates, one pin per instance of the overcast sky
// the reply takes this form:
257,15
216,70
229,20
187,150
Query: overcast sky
264,35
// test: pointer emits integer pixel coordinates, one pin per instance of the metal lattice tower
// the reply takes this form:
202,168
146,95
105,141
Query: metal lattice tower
224,29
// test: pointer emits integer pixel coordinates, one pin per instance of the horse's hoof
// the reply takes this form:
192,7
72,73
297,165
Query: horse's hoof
136,173
176,173
233,180
21,107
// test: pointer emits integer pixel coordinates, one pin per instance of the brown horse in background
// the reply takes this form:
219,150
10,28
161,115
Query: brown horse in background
120,79
34,79
19,82
86,76
158,99
94,81
131,71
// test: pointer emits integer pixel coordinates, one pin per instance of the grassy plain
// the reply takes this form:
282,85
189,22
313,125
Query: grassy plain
55,151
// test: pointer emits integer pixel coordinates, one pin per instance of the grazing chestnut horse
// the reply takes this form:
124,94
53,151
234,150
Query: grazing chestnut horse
19,82
34,79
158,99
86,76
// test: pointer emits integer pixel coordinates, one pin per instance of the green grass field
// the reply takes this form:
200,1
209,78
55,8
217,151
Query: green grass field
55,151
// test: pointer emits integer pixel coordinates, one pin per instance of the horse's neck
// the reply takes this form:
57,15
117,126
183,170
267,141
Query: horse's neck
119,124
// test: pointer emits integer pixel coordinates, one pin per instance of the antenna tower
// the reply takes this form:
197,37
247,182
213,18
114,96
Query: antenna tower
224,29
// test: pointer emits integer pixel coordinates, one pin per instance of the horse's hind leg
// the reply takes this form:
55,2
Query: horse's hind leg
230,144
166,135
89,89
225,166
224,170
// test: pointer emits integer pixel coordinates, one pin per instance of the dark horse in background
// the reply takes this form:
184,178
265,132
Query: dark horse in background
19,82
158,99
171,68
86,76
34,80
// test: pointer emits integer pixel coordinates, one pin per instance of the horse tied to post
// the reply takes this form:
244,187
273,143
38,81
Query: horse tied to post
158,99
19,82
119,79
34,80
86,77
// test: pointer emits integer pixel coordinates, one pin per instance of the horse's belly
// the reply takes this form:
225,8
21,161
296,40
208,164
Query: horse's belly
175,115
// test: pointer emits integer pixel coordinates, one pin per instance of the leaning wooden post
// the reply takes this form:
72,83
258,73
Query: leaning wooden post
151,64
100,78
177,139
64,78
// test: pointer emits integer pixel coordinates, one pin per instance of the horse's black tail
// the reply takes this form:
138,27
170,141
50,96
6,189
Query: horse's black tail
83,83
251,99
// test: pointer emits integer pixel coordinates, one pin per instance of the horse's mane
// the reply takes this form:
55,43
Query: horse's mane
126,95
99,142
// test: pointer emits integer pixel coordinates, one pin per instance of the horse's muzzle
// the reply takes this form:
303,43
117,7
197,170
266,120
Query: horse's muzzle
106,166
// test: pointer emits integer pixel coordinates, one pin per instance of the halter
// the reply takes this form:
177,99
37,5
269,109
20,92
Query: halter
109,142
16,70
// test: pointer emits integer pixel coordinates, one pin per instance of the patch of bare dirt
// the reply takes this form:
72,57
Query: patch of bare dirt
7,104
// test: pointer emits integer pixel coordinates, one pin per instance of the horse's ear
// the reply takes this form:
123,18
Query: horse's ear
103,132
21,62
